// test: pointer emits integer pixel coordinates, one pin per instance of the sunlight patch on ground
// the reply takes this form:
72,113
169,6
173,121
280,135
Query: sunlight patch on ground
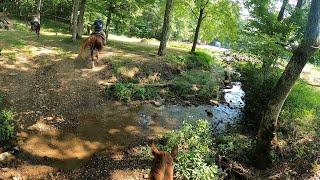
37,51
124,38
311,74
66,146
47,33
25,170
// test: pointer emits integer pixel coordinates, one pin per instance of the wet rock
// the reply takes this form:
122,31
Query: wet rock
188,103
214,102
13,74
226,82
209,112
16,149
156,103
39,112
6,157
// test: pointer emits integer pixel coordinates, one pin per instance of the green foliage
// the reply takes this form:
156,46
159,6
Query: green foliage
6,123
195,157
202,83
233,144
200,60
145,93
303,108
1,100
120,91
258,84
222,22
129,91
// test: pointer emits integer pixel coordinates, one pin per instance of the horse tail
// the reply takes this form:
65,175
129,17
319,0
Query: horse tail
83,48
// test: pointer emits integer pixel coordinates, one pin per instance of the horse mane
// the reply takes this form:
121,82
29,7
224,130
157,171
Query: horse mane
94,41
162,164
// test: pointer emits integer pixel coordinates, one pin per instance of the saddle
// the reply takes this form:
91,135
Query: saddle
100,34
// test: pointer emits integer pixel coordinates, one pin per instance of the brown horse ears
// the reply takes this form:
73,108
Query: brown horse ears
154,149
174,152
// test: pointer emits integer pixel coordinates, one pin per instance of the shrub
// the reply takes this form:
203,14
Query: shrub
303,108
195,158
200,60
202,83
129,91
258,86
6,123
145,93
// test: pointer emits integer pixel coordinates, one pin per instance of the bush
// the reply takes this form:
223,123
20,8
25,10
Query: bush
129,91
6,123
201,83
200,60
195,158
258,86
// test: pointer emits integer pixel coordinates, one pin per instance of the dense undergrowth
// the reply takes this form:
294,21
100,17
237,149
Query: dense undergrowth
299,121
185,76
7,126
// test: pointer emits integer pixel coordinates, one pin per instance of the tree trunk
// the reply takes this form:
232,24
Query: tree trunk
299,4
18,5
283,8
39,10
268,124
75,19
109,16
81,19
196,34
165,28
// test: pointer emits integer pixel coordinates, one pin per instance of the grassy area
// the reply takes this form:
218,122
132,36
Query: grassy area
7,126
197,156
133,63
299,122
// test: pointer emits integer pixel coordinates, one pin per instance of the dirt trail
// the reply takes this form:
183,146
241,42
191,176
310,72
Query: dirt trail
67,128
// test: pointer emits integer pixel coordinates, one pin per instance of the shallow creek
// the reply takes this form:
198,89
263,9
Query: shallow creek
65,142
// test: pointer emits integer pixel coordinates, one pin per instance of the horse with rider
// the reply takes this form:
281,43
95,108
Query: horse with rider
95,42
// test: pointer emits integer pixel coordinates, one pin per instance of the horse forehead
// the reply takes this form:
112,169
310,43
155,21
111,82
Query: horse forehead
165,156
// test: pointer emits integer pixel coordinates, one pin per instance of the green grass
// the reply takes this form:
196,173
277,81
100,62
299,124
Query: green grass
299,121
302,108
7,126
196,155
196,82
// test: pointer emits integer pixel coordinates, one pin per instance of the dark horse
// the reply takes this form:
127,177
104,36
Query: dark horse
162,164
94,43
35,26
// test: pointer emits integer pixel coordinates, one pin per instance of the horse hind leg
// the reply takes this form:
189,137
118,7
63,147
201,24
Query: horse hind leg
97,56
92,58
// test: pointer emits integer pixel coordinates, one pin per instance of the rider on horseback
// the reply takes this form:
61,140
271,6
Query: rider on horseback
34,21
98,28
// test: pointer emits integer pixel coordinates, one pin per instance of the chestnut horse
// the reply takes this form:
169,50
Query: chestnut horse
95,44
162,164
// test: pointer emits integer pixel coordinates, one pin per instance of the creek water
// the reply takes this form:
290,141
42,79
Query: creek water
112,127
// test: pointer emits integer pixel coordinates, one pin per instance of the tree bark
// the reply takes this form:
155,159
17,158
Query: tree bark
196,33
282,10
75,19
299,4
39,10
109,16
81,18
165,28
268,124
